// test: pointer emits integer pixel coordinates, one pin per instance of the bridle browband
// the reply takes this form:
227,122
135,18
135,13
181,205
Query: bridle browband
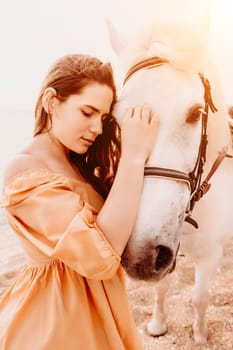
194,179
147,63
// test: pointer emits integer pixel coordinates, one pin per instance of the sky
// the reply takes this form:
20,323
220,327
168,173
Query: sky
34,33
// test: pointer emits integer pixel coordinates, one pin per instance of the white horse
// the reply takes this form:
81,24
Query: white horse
170,83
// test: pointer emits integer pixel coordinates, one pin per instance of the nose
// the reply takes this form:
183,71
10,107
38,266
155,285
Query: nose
96,126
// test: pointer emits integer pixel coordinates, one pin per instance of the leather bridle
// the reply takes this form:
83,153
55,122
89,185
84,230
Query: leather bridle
194,179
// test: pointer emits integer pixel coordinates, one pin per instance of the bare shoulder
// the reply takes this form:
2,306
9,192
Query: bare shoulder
19,164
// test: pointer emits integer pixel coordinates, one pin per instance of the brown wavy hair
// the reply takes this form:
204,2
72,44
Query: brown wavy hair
69,75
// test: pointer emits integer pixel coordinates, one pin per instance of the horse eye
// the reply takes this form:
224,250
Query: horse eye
194,116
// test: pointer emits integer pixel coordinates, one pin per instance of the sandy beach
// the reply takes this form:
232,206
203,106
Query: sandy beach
141,294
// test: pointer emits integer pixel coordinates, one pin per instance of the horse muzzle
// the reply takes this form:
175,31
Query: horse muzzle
152,264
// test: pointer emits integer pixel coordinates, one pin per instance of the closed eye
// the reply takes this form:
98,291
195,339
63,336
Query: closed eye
86,114
194,114
89,110
90,114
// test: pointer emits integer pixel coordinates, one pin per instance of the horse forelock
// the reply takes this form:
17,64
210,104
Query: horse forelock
159,29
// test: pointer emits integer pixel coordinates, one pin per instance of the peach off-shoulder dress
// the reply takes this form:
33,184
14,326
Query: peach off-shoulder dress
71,294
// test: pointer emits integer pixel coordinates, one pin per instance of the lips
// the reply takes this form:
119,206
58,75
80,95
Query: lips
88,141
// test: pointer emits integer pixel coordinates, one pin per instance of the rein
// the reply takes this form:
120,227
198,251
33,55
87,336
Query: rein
194,179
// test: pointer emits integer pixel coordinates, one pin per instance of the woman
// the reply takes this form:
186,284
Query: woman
74,212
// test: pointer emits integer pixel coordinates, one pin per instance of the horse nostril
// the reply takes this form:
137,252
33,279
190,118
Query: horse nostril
164,257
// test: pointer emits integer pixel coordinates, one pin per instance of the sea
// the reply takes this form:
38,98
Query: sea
16,127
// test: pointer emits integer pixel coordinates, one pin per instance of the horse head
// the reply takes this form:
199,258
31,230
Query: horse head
157,73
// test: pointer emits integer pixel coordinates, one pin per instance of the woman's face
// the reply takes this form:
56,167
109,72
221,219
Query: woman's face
77,121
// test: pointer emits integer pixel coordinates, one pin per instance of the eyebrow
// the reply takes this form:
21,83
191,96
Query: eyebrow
93,108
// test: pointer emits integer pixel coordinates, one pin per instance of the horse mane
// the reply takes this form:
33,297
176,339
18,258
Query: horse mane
176,30
219,133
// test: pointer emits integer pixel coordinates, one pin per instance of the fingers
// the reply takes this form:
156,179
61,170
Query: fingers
140,123
138,112
129,112
143,112
155,119
146,113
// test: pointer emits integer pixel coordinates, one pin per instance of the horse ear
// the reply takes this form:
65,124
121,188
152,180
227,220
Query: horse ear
117,43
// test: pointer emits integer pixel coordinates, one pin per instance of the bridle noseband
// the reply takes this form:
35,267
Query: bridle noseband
194,179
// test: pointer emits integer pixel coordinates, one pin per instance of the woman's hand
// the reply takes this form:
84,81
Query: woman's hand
138,133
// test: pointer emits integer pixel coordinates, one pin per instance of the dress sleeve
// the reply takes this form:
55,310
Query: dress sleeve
55,219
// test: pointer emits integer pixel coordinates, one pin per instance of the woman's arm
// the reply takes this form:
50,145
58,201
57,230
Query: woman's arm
117,217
